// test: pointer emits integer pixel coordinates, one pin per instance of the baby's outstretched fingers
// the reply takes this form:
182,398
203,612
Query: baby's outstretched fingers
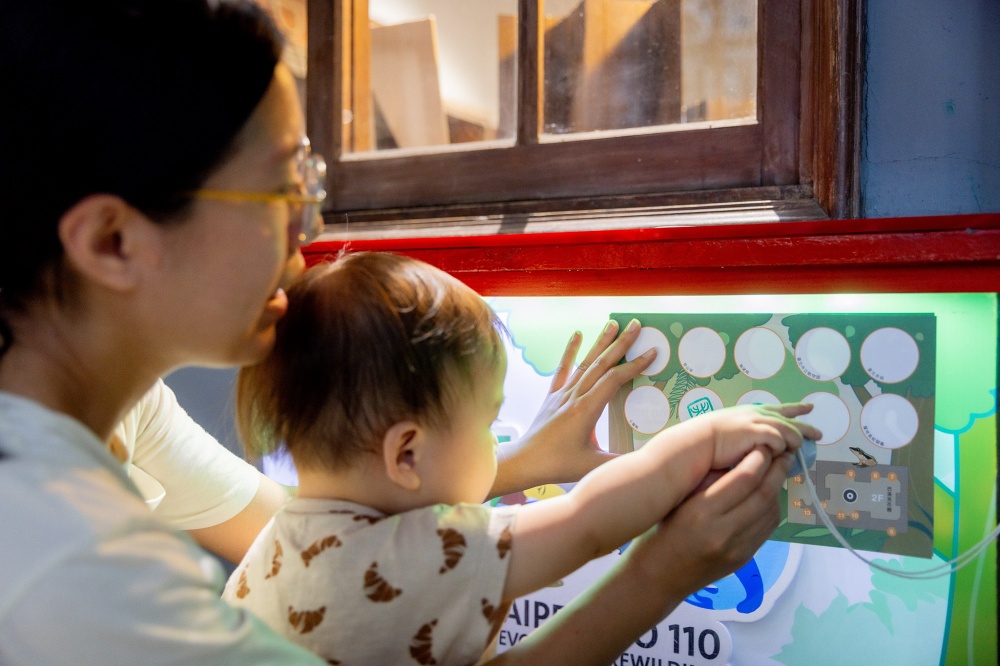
768,427
807,430
775,434
794,430
793,409
797,429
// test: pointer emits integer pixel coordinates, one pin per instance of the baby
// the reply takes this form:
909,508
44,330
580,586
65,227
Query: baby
385,379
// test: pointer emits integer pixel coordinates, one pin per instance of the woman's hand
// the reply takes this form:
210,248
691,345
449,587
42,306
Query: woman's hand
716,530
561,445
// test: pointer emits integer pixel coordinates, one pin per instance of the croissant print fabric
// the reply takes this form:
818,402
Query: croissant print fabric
359,587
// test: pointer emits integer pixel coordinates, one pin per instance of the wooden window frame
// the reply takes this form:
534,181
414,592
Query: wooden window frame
798,162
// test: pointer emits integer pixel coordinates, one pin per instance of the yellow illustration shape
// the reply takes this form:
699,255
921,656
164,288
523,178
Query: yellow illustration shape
545,492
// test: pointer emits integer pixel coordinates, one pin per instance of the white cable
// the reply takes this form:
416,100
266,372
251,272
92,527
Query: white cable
937,571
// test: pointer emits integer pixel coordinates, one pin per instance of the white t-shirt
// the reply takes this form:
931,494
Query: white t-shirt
90,576
186,476
356,586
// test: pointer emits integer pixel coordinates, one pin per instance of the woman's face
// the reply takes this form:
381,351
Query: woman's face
223,267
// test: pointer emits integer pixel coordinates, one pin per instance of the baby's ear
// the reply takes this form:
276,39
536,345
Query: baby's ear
402,450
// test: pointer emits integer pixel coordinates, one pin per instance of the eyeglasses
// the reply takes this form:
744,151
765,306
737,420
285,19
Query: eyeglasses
311,170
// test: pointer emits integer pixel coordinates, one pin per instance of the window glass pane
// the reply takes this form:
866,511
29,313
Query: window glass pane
718,59
432,73
620,64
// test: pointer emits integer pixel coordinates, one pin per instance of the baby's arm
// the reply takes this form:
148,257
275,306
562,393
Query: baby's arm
659,570
628,495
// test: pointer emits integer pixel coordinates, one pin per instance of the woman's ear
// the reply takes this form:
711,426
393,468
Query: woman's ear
402,450
101,237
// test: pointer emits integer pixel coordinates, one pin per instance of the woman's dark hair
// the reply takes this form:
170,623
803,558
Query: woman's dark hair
369,340
137,98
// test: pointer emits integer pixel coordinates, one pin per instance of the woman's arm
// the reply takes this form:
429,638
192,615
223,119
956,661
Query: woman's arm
232,538
215,496
711,534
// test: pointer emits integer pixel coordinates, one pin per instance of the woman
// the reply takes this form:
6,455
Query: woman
153,207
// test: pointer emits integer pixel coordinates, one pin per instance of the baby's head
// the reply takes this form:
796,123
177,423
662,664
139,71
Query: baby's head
371,341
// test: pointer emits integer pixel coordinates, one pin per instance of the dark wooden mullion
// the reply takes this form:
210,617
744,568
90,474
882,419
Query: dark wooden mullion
324,89
836,93
778,102
529,71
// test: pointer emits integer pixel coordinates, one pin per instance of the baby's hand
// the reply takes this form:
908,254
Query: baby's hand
738,430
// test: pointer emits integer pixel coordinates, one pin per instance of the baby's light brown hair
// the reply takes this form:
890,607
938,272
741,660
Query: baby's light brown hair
369,340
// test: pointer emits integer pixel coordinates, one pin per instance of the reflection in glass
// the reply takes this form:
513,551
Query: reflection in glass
719,54
620,64
429,72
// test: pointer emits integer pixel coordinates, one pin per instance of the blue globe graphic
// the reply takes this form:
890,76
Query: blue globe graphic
744,590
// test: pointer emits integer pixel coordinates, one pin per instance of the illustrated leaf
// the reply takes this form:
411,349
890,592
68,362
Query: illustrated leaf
682,385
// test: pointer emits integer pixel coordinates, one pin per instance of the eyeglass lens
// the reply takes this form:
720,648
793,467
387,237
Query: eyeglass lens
312,169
